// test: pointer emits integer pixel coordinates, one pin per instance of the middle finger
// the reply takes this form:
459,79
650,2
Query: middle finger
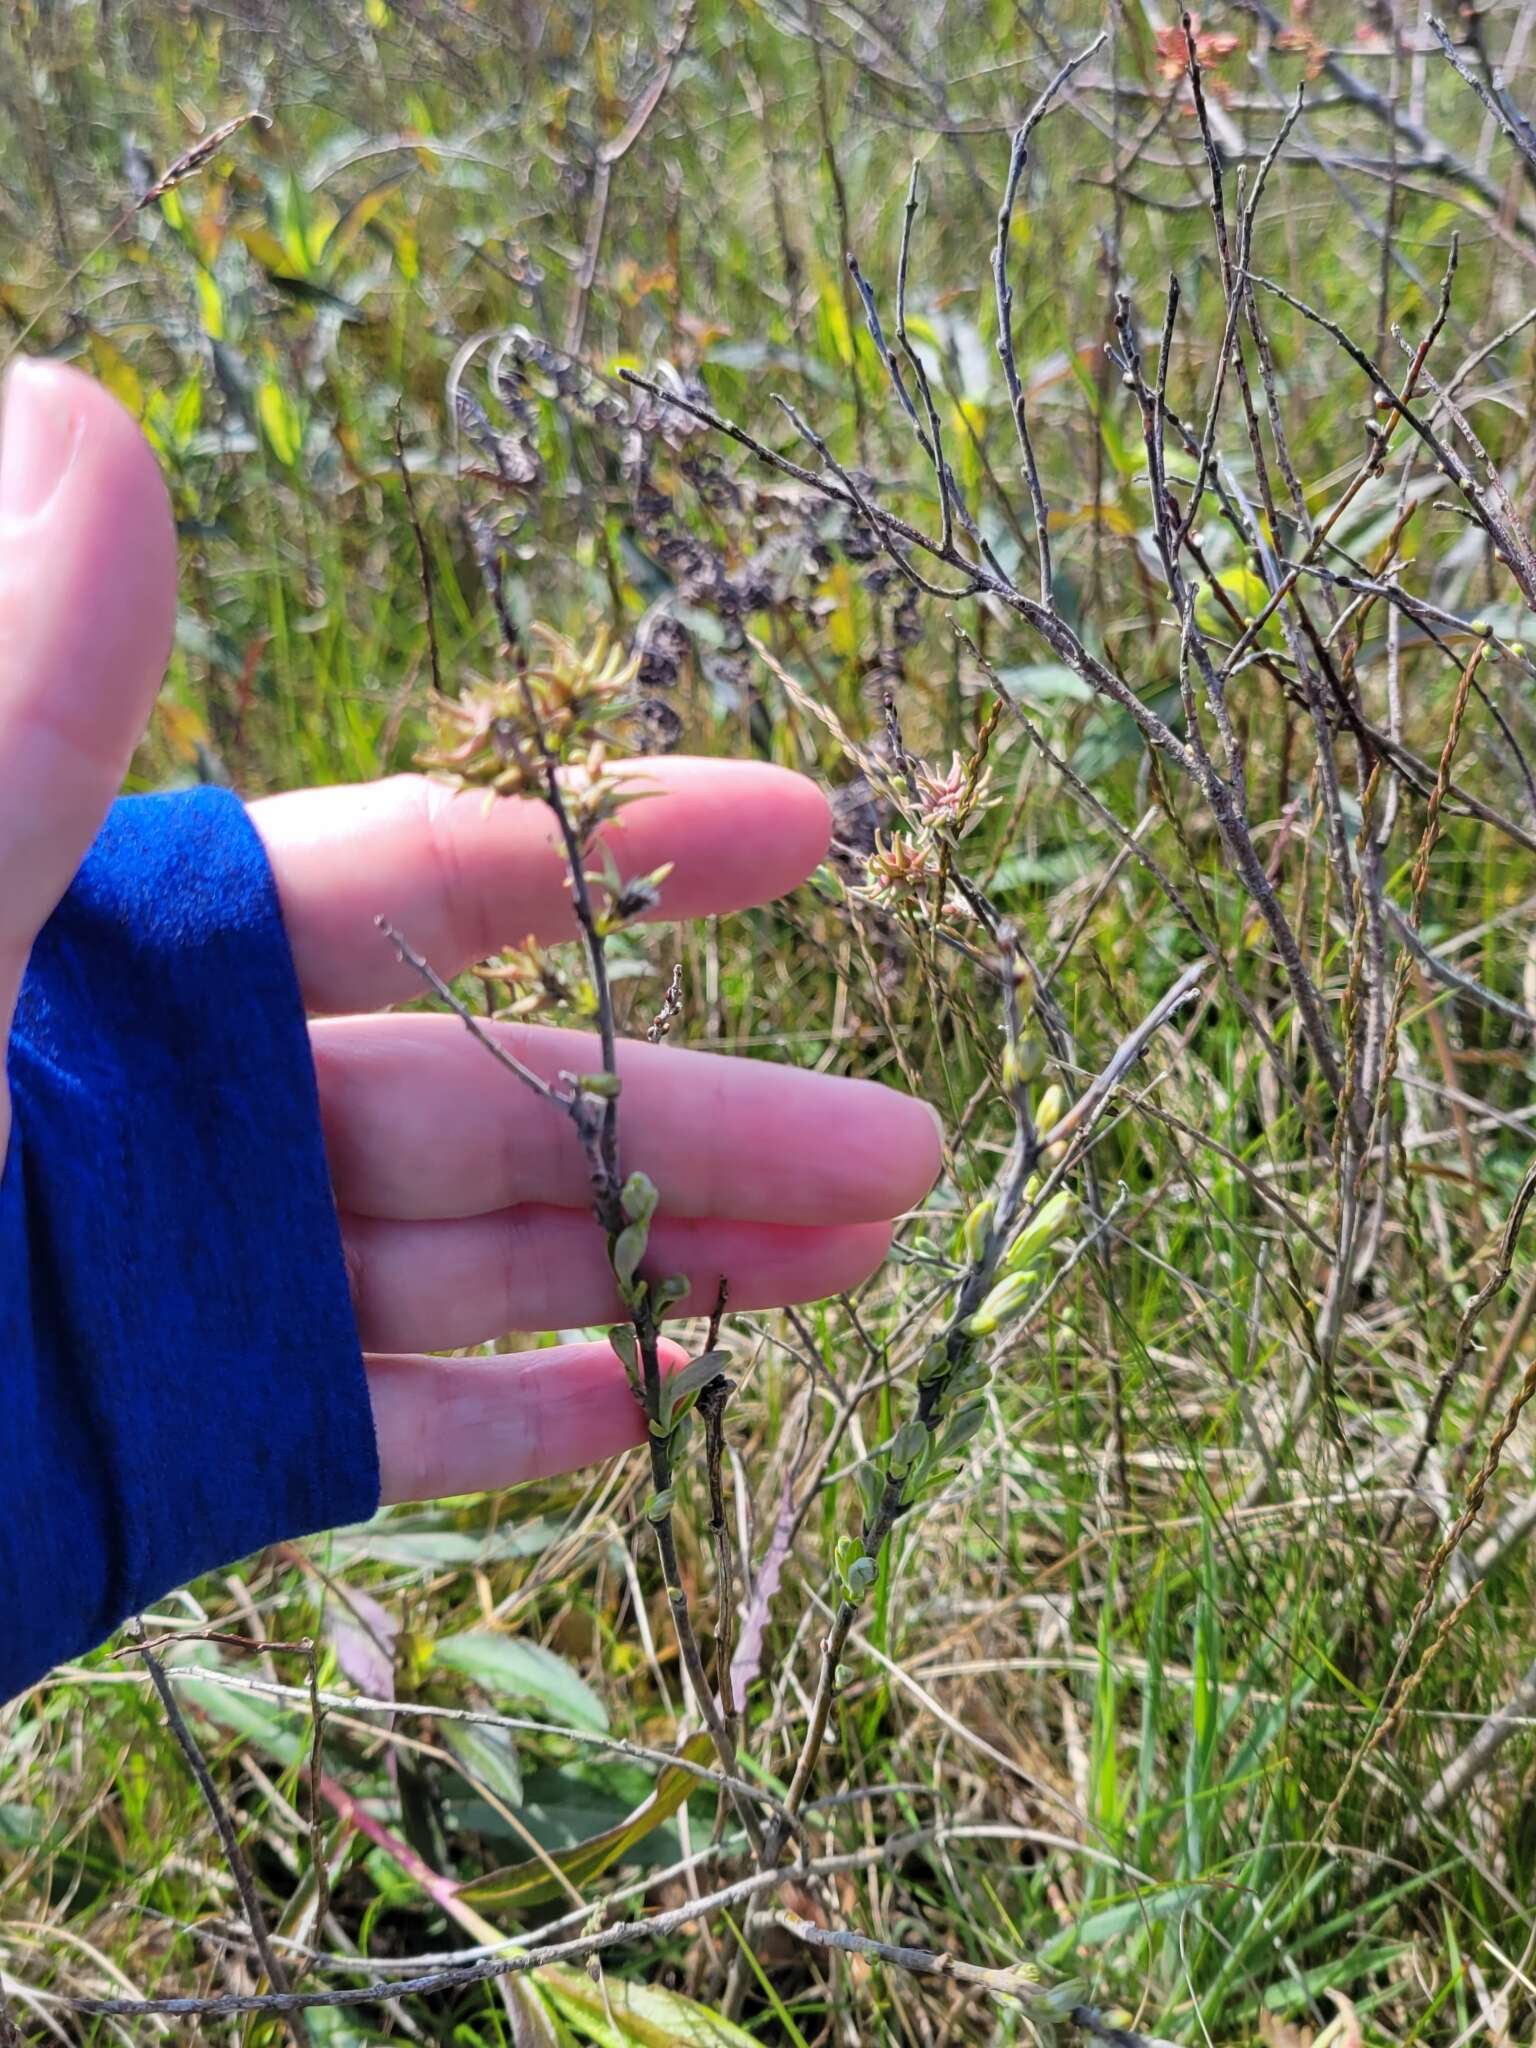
421,1123
444,1285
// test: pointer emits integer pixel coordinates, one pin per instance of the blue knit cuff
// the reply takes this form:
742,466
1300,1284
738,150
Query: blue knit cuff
180,1374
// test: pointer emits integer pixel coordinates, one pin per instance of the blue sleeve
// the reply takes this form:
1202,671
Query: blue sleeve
180,1375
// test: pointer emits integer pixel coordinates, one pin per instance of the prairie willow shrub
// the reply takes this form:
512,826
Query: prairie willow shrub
543,729
542,732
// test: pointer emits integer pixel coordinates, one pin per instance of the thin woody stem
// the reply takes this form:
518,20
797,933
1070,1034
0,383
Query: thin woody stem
1022,1987
240,1870
715,1721
1003,294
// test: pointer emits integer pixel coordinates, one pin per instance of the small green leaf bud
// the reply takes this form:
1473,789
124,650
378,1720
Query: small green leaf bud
1022,1062
628,1251
978,1227
934,1366
1050,1109
1053,1219
1005,1301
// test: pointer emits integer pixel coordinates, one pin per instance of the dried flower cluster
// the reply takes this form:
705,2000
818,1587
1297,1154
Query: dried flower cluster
500,735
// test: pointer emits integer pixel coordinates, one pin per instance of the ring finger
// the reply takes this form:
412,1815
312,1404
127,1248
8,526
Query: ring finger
439,1286
474,1425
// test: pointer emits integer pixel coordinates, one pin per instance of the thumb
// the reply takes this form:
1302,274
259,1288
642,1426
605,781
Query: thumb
87,607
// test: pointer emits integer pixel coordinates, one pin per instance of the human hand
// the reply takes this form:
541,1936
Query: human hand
463,1197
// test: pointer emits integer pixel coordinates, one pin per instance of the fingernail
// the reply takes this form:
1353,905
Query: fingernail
38,435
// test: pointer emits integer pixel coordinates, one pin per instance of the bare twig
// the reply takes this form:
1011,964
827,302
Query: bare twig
1018,1986
284,1999
610,154
1003,294
423,558
1514,126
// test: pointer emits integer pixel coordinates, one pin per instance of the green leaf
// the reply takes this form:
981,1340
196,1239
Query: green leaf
266,251
907,1445
303,291
871,1485
627,1350
757,356
187,413
511,1667
21,1826
210,302
489,1756
1044,682
628,1251
1114,1922
1026,870
274,1730
113,369
620,2013
281,422
693,1378
1113,738
531,1882
335,241
962,1426
402,1541
1250,594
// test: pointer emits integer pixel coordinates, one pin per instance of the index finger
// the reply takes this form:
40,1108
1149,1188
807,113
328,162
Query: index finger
459,878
